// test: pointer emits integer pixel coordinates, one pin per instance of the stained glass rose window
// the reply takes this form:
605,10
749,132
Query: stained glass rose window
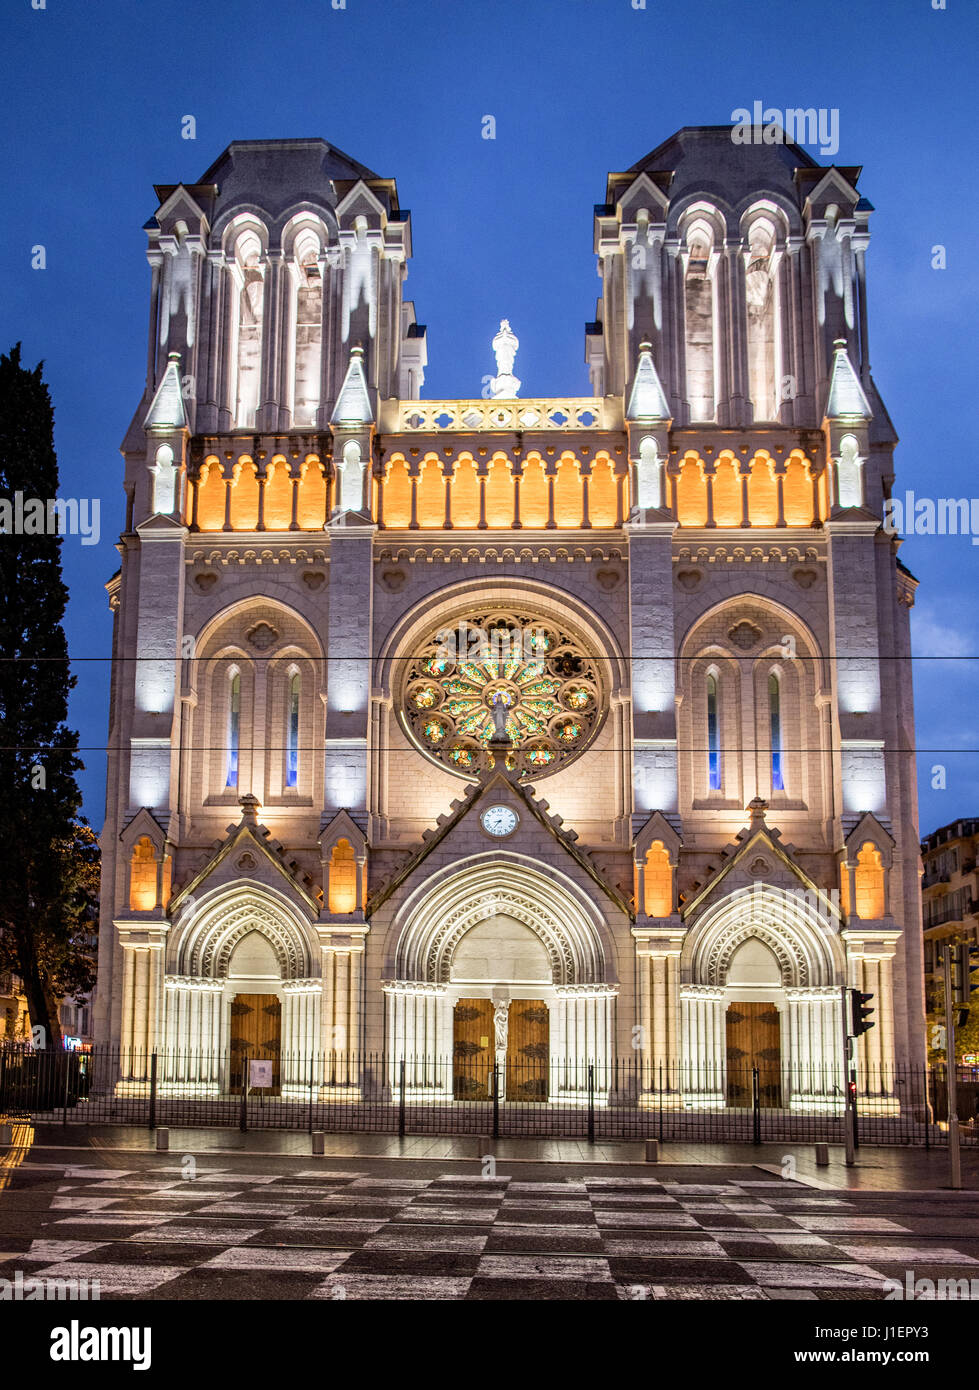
548,684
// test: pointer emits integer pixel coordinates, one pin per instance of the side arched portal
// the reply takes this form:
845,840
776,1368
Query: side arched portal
761,973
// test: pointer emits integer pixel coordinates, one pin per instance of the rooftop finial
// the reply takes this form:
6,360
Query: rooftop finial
505,345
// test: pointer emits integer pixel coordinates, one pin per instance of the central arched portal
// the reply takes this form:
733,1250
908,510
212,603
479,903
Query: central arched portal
501,987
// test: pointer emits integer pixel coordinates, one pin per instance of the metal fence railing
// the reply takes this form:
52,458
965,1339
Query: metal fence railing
611,1098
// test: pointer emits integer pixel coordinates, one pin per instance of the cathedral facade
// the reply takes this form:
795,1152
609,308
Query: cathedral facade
553,733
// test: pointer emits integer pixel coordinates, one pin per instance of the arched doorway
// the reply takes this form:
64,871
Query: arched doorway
239,988
762,969
501,972
753,1026
500,1023
255,1032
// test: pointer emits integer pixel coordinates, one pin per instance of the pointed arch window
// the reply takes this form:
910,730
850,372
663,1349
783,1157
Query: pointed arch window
775,728
234,725
292,732
699,313
713,737
761,295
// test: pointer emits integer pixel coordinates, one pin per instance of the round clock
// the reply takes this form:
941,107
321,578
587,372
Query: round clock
498,820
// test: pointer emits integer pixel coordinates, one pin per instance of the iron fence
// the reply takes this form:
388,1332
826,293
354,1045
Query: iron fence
606,1099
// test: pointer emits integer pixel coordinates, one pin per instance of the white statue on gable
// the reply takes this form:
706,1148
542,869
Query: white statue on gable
505,344
649,476
351,469
849,473
164,473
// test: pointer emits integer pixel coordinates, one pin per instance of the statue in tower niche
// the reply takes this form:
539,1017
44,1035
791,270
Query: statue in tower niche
505,385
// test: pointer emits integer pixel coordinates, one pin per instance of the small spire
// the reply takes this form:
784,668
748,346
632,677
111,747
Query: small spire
756,809
353,407
166,410
250,806
846,400
647,399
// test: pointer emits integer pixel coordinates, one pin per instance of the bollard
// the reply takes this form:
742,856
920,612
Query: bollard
163,1141
652,1150
318,1137
6,1134
822,1155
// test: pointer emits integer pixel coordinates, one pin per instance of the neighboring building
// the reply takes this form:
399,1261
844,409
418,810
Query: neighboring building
15,1023
667,809
949,893
77,1019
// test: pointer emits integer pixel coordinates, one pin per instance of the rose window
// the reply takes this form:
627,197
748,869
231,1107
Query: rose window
546,683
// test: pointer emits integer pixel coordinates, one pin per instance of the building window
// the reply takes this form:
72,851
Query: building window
698,290
292,733
142,876
343,878
761,295
658,881
713,738
309,330
250,312
775,725
868,879
234,725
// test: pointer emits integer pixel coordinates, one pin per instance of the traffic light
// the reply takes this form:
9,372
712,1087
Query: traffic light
964,964
859,1013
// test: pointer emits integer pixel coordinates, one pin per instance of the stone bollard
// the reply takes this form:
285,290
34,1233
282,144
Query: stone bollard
822,1155
652,1150
6,1134
163,1141
319,1142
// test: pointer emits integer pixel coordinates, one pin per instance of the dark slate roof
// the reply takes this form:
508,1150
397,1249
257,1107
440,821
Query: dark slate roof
271,173
703,158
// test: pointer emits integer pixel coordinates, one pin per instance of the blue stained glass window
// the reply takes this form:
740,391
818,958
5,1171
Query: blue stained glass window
234,726
292,734
775,723
713,738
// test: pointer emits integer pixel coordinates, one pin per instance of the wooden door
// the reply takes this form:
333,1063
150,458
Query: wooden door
473,1049
754,1040
528,1050
256,1033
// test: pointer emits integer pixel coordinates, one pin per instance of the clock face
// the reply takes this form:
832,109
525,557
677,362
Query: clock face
498,820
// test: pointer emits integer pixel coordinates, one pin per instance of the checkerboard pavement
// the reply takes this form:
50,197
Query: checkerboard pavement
153,1232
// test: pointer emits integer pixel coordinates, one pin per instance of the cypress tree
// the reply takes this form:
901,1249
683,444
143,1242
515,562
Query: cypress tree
48,853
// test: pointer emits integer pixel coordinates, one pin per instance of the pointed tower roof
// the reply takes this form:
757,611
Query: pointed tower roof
847,399
166,410
647,399
353,405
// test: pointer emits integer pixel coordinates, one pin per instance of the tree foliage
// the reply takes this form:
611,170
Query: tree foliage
49,854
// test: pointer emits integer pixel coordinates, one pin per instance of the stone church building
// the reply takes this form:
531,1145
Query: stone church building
539,732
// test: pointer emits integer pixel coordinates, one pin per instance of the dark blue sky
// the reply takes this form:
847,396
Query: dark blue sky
93,105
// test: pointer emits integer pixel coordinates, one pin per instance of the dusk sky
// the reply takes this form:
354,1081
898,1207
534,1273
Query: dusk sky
95,97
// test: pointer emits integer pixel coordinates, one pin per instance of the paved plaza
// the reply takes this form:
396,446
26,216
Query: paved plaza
225,1223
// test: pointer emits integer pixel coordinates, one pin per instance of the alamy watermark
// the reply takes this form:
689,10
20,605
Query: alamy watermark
54,516
925,1290
30,1288
469,643
932,516
766,125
